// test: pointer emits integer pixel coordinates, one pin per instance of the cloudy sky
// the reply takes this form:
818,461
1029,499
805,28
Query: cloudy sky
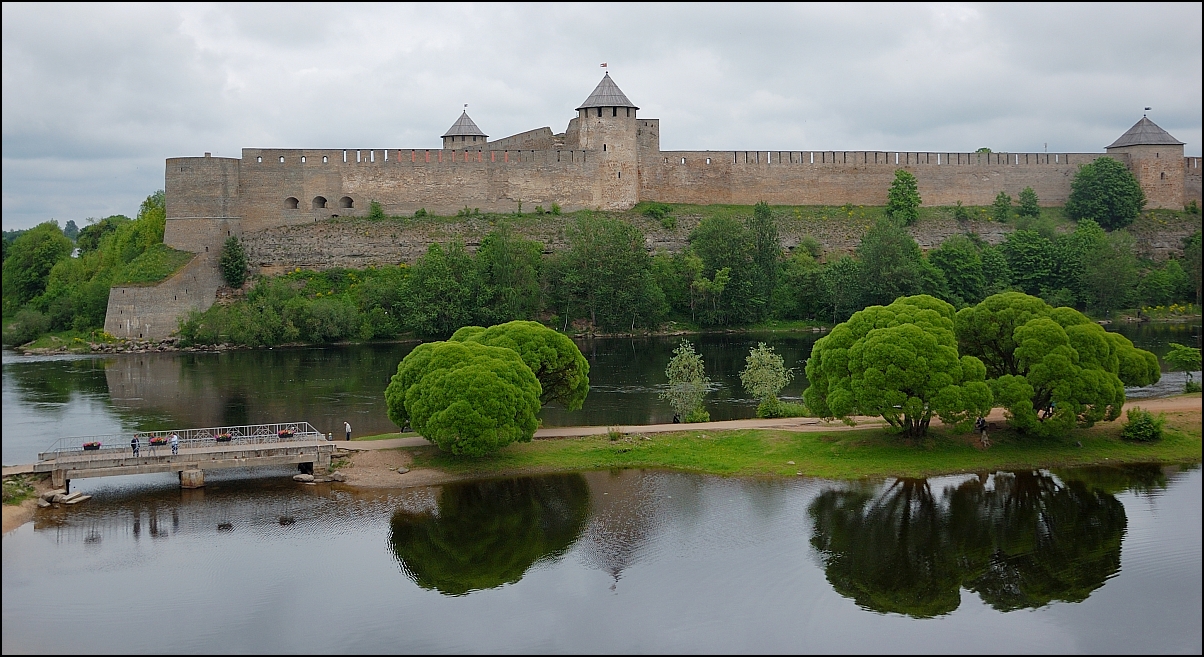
96,96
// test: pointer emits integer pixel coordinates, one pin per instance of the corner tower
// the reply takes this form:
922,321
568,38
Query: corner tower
1156,160
606,125
464,134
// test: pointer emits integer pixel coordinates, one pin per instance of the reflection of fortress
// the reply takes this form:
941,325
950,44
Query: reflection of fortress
607,158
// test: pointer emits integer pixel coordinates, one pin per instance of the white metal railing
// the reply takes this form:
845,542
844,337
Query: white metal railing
122,444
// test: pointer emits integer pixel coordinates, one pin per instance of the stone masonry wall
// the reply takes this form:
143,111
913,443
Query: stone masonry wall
154,312
1192,188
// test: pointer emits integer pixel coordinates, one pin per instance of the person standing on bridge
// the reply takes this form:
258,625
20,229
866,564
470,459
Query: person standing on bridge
134,445
347,428
175,443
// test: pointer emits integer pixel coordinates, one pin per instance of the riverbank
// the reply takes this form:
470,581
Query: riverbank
790,447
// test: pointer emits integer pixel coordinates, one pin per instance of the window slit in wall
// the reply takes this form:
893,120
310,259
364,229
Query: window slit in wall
282,159
371,156
357,156
344,157
708,160
258,159
302,159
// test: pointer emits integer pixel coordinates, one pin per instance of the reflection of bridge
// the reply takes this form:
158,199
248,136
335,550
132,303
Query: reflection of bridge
199,450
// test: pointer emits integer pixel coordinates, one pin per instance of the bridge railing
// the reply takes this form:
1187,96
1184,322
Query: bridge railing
120,444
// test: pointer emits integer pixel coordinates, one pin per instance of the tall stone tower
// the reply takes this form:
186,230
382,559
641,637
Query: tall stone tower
606,125
464,134
1156,160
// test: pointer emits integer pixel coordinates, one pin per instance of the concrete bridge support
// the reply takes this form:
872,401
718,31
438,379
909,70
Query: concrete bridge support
192,478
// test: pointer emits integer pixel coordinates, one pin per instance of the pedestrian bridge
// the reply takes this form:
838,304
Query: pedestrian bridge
213,448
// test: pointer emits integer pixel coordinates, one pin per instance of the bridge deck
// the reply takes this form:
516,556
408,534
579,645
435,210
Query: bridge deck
212,457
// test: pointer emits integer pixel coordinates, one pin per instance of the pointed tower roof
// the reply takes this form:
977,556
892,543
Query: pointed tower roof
1145,133
607,94
464,127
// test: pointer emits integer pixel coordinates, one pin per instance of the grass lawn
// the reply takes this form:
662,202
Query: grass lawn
837,454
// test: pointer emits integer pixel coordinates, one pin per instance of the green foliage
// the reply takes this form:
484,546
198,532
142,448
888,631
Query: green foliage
1031,259
687,383
767,251
71,230
420,213
30,259
1001,209
903,199
555,209
557,363
1191,262
734,296
17,489
765,374
1109,276
155,264
1184,359
465,397
1106,191
654,210
960,213
898,361
508,269
489,533
90,236
892,266
233,262
1029,206
959,260
842,285
441,292
26,325
606,274
1143,426
376,212
1051,368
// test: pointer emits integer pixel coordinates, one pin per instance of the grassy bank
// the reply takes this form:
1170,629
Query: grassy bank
870,452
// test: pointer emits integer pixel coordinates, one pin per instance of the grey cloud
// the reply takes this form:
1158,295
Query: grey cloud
95,97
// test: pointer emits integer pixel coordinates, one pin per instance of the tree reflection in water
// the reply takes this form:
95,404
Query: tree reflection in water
489,533
1022,542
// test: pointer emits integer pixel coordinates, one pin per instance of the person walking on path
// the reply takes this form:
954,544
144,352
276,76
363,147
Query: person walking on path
175,444
980,425
347,428
134,446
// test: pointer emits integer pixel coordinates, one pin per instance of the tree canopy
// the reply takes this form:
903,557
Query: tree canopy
1051,368
1106,191
557,363
30,259
898,361
903,198
233,262
687,383
467,398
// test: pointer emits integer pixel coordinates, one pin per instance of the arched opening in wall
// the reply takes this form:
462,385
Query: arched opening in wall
302,159
259,159
614,111
325,159
282,159
599,112
346,202
1164,175
319,202
291,203
683,160
708,160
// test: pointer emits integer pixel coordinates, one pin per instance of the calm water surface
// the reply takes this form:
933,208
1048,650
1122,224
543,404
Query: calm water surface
1095,560
48,398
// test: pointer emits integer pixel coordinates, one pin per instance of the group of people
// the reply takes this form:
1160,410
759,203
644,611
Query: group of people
174,441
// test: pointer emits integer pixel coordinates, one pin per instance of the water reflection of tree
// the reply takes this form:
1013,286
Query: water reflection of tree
1022,543
489,533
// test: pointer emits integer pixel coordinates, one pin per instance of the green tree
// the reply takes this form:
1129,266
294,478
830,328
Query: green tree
490,533
674,274
71,230
1051,368
1106,191
233,262
723,243
764,375
687,384
842,282
467,398
960,262
1071,252
1001,209
767,251
90,236
1191,261
441,291
1110,272
557,363
891,266
1031,260
509,271
801,292
607,273
997,276
30,259
1029,206
903,198
1184,359
898,361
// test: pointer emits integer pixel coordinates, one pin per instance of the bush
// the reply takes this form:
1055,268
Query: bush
698,415
1001,210
903,199
1106,191
657,211
376,211
233,262
555,209
775,408
687,383
1143,426
960,212
1029,206
1191,386
26,325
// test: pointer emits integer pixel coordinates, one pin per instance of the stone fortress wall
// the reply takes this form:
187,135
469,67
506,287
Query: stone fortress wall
608,158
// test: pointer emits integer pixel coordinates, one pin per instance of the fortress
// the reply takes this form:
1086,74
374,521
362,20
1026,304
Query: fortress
607,158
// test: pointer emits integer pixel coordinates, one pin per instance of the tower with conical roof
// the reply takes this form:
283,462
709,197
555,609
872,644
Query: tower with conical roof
464,134
606,124
1156,160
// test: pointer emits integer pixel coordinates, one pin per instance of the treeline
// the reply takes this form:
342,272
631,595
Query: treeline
734,273
59,279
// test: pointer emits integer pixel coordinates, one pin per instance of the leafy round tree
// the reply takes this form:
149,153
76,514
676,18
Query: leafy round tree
562,371
1186,360
900,362
903,199
1001,209
1106,191
465,397
1029,206
687,384
29,261
764,376
233,262
1051,368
